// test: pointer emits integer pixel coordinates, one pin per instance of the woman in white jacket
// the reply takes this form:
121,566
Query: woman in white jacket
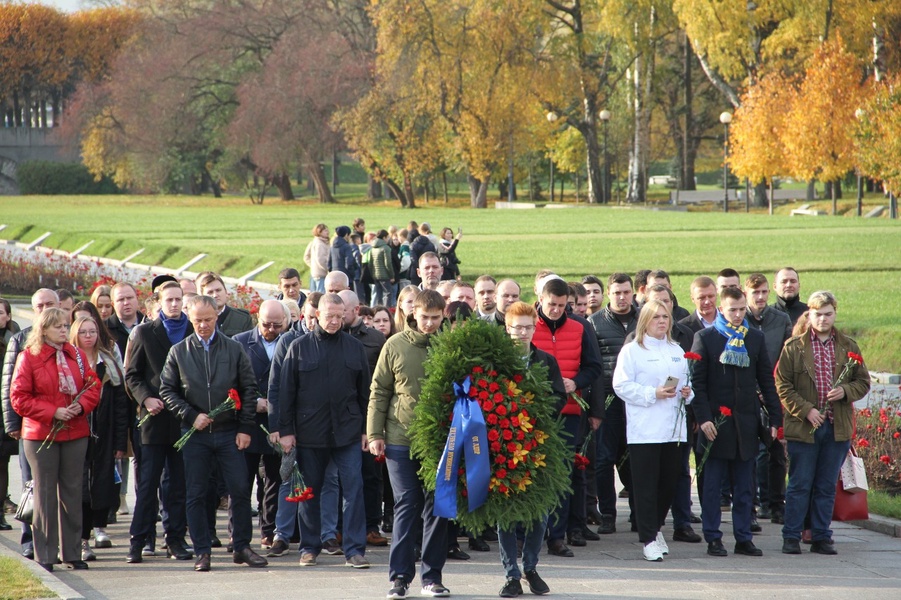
648,374
316,257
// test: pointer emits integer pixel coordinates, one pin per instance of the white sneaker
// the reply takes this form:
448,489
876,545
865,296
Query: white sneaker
661,543
652,552
101,539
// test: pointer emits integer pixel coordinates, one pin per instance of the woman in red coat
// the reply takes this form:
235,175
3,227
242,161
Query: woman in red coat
53,389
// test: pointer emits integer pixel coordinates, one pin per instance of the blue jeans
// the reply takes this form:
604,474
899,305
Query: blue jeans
716,470
531,547
811,483
286,514
27,539
201,450
329,497
154,457
314,463
317,284
412,503
381,292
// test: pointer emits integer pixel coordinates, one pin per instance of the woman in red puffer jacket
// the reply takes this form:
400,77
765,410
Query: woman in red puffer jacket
53,389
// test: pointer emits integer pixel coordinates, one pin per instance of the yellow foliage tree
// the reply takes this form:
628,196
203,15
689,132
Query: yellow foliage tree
819,125
877,135
757,150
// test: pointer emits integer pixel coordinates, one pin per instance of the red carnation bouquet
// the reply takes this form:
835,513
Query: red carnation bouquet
233,402
854,359
300,491
725,412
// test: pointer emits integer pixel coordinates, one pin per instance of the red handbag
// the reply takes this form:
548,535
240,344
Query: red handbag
848,506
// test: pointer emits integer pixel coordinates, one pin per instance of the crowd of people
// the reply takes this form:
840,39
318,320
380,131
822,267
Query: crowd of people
314,400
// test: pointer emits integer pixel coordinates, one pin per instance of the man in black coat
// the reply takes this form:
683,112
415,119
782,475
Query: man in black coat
733,366
145,357
201,373
259,343
323,397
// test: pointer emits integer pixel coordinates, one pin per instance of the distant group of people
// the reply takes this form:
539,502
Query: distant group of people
329,379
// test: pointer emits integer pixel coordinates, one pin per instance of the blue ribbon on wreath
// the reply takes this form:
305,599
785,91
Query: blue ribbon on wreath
468,434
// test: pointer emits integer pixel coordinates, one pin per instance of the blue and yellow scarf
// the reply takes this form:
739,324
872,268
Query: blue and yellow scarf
735,353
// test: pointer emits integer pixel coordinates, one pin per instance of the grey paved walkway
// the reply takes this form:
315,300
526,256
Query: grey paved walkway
868,566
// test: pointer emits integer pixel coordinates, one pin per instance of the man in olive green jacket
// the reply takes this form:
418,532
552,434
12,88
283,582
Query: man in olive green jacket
819,377
394,393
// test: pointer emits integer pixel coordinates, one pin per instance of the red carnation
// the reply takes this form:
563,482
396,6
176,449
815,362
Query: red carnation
508,435
514,406
520,435
495,447
500,473
380,458
473,392
511,447
502,488
855,357
517,378
488,406
725,411
863,443
234,397
482,383
483,395
477,370
493,435
886,459
501,410
511,465
691,356
896,435
460,471
491,419
464,492
780,434
493,387
515,421
500,459
505,423
498,397
492,373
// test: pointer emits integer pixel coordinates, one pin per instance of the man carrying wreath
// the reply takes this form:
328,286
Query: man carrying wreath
819,377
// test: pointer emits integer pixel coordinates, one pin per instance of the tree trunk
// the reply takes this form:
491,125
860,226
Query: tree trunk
772,195
317,175
478,191
444,184
638,154
760,199
408,192
593,152
834,199
394,190
812,189
689,148
373,188
283,183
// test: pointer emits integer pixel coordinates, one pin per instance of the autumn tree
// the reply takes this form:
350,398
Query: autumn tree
758,127
877,134
818,133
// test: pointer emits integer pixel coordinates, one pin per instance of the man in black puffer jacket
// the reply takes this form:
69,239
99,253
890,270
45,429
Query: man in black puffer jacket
612,325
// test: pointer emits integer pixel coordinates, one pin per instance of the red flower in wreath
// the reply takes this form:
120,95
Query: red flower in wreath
495,447
511,464
498,397
508,435
482,383
493,435
505,423
500,459
488,406
476,370
483,395
520,435
517,378
500,473
492,373
493,387
511,447
491,419
501,410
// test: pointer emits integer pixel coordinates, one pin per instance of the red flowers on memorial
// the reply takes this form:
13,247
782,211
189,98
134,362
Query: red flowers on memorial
232,402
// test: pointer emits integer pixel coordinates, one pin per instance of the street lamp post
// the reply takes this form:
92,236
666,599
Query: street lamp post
605,118
552,118
725,119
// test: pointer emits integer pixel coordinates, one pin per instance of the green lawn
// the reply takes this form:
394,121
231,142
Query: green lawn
17,582
855,258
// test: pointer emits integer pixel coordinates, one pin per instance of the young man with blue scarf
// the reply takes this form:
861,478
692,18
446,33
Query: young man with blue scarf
733,366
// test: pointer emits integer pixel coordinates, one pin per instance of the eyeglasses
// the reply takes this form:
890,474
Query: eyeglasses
270,325
87,333
521,328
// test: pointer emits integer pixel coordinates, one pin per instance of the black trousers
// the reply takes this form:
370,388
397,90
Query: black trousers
655,470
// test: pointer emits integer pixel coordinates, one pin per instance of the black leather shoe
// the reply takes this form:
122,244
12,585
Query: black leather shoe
695,519
511,589
388,524
203,563
47,566
176,549
790,546
536,584
558,548
576,539
608,524
824,547
215,542
590,535
715,548
593,516
250,558
748,549
686,534
4,526
755,526
479,545
778,517
78,565
457,553
764,512
489,535
135,555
